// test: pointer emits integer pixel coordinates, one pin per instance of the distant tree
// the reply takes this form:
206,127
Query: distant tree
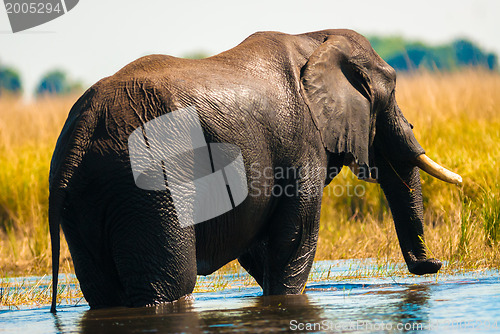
10,81
492,61
56,83
387,47
468,54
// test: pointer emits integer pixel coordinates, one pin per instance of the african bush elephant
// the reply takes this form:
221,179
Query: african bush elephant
315,102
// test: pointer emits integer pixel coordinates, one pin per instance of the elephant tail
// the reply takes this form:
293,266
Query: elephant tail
55,203
73,143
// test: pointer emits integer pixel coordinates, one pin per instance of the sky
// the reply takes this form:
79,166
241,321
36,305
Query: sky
97,38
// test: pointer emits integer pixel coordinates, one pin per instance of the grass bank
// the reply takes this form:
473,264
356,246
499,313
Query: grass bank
457,121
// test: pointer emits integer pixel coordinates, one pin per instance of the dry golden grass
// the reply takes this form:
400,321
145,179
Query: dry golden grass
28,132
456,118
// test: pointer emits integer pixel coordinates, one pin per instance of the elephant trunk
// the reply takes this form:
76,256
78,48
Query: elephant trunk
400,182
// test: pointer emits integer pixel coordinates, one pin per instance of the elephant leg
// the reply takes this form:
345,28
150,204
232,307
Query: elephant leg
154,256
94,269
293,238
254,259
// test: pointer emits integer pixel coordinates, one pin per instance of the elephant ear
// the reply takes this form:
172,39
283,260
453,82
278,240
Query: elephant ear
337,90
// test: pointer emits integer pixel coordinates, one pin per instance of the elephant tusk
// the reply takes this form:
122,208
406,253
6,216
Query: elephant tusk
432,168
355,170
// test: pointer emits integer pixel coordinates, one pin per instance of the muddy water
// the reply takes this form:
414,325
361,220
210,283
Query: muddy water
338,299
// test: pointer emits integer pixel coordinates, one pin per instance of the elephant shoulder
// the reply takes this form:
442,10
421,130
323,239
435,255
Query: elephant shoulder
265,35
264,43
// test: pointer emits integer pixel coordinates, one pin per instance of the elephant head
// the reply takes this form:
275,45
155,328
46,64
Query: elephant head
350,92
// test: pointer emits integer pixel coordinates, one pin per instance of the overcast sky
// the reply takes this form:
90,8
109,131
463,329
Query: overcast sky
97,38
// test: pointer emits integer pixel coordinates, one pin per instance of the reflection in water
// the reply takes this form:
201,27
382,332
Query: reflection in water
267,313
393,305
58,324
372,307
361,305
413,307
172,317
326,304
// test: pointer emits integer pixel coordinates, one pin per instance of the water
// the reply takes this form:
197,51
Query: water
338,299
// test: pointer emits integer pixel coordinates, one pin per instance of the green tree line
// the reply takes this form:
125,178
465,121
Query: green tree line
55,82
406,55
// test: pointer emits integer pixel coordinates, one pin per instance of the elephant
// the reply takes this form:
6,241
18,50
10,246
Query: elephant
312,102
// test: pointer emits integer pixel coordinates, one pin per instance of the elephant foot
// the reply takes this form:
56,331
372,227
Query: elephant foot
422,267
